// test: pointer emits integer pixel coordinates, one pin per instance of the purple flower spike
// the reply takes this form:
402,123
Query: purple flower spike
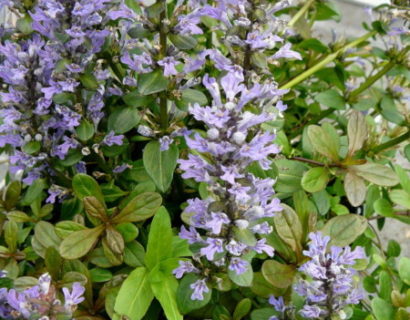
331,277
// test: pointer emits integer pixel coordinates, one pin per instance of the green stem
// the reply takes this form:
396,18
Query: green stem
371,80
325,61
392,142
163,116
300,13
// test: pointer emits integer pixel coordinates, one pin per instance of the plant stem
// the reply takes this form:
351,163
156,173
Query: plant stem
314,162
371,80
400,214
392,142
163,115
300,13
325,61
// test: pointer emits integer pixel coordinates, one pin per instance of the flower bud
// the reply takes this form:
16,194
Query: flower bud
27,138
85,151
241,223
239,137
38,137
213,134
230,105
256,212
96,147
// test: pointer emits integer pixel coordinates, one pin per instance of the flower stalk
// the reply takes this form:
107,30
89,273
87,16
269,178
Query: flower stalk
325,61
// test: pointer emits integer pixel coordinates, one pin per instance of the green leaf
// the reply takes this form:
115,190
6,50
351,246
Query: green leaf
89,81
242,309
159,239
263,288
123,120
288,227
191,96
331,98
344,229
183,42
404,270
86,186
322,201
356,131
53,262
152,82
160,165
323,142
78,243
377,174
139,208
10,235
135,295
315,179
383,207
403,177
290,176
355,189
100,275
64,228
12,195
393,248
134,254
184,292
45,234
244,279
33,192
32,147
400,197
262,314
85,130
382,309
165,292
278,274
385,285
128,230
24,24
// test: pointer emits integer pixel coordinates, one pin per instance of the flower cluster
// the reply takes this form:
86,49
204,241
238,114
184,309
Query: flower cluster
240,202
40,301
330,284
53,83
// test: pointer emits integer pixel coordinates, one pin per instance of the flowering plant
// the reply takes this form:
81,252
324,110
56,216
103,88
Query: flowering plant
202,159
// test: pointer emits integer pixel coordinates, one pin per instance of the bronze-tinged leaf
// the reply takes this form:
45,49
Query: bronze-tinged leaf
278,274
343,230
115,240
376,173
323,142
289,228
94,208
355,189
114,258
357,131
79,243
139,208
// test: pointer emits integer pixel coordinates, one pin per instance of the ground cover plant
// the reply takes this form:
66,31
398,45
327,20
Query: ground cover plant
199,159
